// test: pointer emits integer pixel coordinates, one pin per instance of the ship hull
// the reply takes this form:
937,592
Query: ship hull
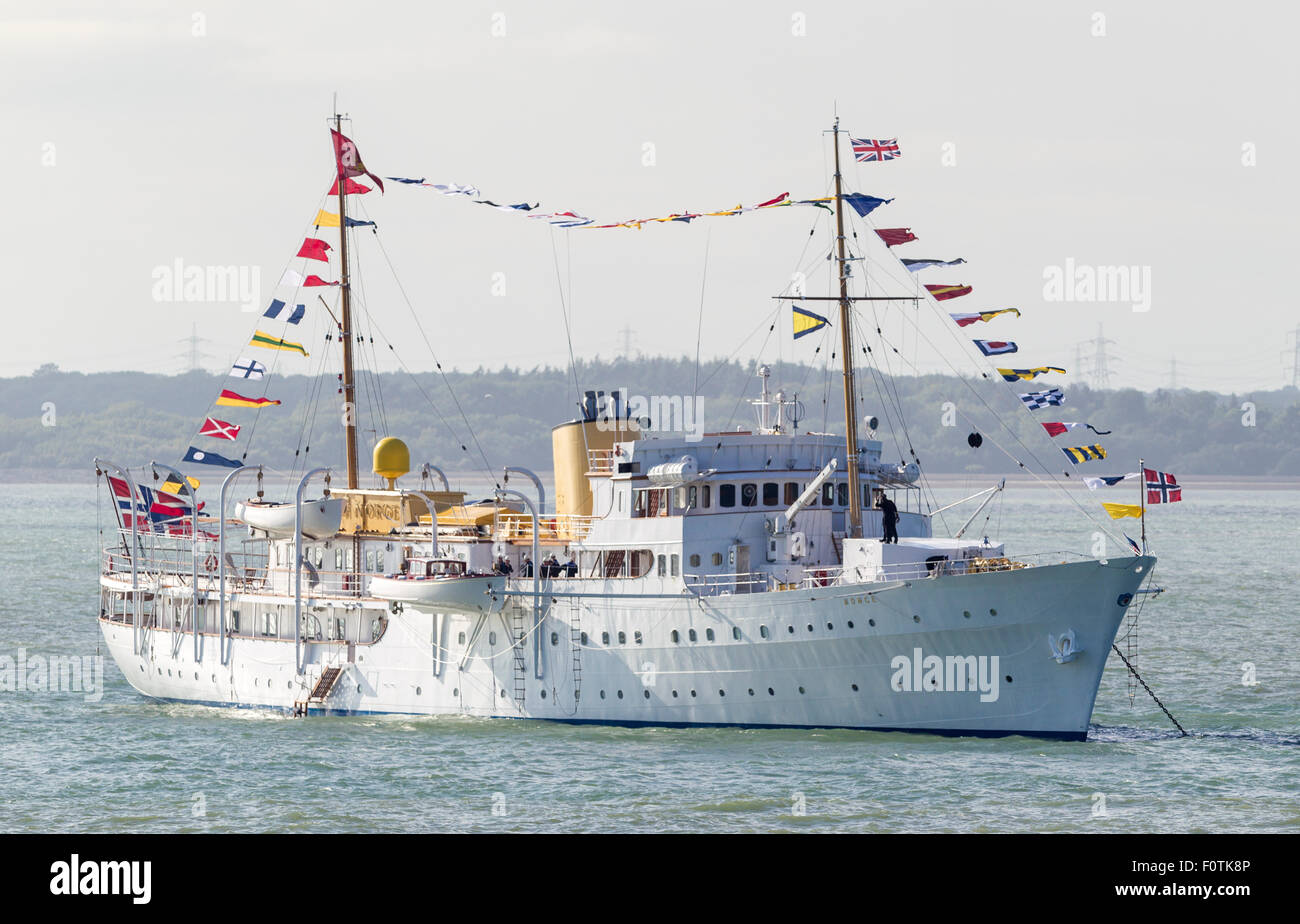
976,654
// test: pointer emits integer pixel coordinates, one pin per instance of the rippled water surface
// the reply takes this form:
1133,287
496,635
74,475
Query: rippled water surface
1228,559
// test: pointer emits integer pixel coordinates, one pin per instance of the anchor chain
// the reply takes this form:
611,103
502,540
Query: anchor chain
1148,689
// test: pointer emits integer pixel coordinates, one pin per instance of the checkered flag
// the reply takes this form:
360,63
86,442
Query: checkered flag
1037,399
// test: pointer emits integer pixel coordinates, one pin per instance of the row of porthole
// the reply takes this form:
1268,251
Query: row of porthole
708,633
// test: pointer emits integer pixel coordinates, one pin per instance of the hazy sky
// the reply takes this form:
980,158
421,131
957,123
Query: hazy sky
1159,136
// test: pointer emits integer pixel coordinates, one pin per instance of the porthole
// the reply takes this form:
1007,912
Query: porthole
604,638
622,638
460,639
871,622
674,636
620,694
735,632
359,688
722,692
647,694
690,633
419,691
602,694
771,692
810,628
717,558
692,693
790,629
555,638
850,623
492,638
455,691
695,561
965,614
708,635
751,691
915,618
288,684
636,637
830,627
543,694
993,612
503,694
674,694
801,689
1008,678
855,688
583,639
196,675
762,631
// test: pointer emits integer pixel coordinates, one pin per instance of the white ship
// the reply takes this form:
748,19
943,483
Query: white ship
740,580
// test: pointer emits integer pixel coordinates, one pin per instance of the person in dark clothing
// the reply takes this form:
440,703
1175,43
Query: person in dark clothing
571,568
527,569
888,517
502,566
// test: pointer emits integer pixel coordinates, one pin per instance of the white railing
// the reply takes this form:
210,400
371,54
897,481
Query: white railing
752,582
518,527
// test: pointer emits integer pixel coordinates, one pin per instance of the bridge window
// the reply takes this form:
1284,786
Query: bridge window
842,494
622,638
791,492
748,494
663,565
692,496
604,638
726,495
691,635
674,564
771,494
828,494
706,495
717,558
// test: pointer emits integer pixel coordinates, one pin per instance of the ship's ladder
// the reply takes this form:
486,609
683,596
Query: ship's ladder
320,692
575,643
837,540
520,665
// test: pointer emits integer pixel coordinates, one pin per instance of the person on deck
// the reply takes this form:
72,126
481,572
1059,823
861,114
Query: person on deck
888,517
527,568
571,568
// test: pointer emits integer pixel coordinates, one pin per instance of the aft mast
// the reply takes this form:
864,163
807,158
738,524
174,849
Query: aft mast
349,381
846,346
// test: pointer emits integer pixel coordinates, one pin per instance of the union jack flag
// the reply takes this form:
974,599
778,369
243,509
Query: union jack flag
1162,488
867,150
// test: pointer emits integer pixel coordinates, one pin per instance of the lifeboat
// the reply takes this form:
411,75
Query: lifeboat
320,518
439,585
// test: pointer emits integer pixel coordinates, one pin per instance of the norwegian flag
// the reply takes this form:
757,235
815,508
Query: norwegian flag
1162,488
868,150
219,429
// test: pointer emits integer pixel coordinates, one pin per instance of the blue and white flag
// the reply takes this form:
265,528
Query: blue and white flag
1037,399
1096,481
200,457
248,368
297,315
916,265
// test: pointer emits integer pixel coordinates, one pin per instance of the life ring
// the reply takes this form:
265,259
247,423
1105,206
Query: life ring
210,564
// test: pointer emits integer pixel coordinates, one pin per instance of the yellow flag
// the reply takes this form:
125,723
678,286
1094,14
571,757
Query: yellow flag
326,219
1119,511
171,486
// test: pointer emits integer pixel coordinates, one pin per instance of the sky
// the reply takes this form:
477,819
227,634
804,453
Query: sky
1151,140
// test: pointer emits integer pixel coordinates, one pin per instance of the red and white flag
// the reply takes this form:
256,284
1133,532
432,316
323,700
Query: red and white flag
349,159
1162,487
219,429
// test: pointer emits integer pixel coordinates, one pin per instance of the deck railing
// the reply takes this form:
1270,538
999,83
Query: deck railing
518,527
